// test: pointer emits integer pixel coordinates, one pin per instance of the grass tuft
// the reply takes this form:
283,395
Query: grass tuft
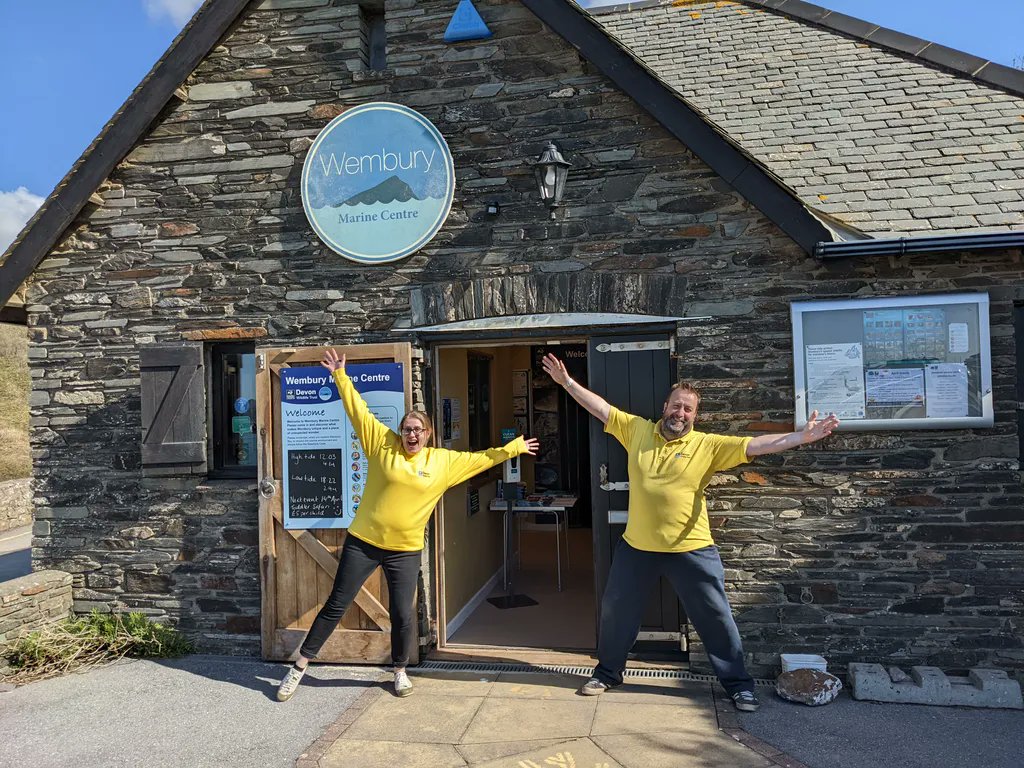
87,641
15,460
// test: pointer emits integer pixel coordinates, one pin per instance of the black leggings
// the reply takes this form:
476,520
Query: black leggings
358,561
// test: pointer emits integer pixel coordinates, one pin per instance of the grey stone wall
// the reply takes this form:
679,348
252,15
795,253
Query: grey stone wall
30,602
15,504
889,546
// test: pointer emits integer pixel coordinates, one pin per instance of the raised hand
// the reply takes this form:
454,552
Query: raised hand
532,445
555,368
815,430
331,361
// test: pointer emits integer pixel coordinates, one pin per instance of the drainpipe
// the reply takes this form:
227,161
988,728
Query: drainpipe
993,241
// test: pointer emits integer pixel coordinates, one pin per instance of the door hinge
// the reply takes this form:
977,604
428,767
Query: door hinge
633,346
618,516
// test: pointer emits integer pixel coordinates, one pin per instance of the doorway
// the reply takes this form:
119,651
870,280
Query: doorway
541,550
558,560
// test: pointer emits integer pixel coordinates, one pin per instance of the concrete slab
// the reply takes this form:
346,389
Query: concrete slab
525,719
481,753
658,691
522,685
416,718
579,753
451,683
617,717
346,753
679,748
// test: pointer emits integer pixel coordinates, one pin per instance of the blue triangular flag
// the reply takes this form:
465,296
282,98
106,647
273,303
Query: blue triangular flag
466,24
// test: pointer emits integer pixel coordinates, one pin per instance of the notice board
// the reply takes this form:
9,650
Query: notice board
911,362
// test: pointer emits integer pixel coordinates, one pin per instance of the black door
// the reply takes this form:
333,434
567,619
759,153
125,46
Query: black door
634,374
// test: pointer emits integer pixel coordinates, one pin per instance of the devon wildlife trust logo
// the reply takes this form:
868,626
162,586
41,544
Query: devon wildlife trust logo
378,183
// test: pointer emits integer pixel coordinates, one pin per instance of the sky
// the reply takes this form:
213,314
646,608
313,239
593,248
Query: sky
70,65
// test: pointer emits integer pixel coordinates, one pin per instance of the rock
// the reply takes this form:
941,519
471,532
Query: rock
808,686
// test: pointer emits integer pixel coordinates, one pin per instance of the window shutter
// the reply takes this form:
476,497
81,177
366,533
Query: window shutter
173,409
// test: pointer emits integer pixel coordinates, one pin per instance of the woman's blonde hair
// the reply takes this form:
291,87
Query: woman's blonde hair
423,419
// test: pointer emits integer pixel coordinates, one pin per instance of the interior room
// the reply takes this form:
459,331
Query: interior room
538,592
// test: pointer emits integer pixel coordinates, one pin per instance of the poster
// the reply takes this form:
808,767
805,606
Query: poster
959,341
895,387
924,333
324,471
883,336
835,380
946,390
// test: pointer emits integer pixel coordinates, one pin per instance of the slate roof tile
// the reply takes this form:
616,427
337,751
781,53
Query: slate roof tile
825,111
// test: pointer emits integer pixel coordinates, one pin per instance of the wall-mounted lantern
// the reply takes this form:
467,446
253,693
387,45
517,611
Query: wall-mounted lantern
552,170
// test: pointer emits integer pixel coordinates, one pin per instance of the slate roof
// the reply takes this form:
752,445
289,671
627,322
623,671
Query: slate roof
882,140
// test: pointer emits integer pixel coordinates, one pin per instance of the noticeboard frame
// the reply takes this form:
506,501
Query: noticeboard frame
978,340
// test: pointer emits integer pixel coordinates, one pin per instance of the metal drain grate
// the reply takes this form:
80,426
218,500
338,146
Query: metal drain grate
493,668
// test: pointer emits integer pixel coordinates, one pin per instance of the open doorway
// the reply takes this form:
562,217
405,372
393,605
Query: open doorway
539,548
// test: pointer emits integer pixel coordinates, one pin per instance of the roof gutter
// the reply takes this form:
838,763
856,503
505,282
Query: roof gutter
906,246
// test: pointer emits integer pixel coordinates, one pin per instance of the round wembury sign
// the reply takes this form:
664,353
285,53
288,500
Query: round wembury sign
378,182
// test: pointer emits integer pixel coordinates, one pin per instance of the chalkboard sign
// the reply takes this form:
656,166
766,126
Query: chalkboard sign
314,483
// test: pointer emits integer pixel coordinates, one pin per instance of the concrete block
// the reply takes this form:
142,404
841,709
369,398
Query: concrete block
930,685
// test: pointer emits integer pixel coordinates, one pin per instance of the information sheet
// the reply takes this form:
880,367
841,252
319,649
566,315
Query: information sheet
895,386
325,465
835,380
946,387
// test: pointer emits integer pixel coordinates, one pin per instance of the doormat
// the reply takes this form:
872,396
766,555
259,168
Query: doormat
494,668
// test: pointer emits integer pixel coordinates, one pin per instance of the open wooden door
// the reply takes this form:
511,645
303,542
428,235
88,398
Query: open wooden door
297,567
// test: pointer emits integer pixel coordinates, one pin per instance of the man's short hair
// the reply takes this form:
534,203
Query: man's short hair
686,387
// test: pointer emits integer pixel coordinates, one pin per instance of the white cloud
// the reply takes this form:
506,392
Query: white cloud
178,11
16,208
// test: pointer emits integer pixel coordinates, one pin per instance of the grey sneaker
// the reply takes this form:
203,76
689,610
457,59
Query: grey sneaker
594,687
290,683
745,701
403,686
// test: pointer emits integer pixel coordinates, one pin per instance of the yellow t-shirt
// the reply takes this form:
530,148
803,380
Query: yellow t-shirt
401,489
667,512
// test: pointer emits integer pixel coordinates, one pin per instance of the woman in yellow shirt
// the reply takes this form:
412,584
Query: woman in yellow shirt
405,479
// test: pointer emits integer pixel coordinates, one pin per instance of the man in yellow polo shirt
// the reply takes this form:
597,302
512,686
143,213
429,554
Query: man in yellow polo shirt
667,533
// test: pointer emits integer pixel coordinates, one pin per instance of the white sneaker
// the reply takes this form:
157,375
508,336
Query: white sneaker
403,686
290,684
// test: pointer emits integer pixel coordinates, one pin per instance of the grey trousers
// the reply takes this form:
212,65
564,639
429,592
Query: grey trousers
698,578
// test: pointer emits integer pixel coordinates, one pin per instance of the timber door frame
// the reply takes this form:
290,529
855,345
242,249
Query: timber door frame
370,640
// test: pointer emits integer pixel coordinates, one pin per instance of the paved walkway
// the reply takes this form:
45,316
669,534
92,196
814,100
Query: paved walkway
516,720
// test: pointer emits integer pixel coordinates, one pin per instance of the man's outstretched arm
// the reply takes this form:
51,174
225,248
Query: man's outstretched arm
812,432
595,405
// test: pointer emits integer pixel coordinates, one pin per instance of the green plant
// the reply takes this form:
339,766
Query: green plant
86,641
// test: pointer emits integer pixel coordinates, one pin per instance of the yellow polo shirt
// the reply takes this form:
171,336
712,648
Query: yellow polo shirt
667,512
402,489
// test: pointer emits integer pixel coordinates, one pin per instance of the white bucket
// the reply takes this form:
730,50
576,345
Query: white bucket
791,661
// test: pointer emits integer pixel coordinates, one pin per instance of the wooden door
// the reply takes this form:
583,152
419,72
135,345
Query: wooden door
297,567
634,374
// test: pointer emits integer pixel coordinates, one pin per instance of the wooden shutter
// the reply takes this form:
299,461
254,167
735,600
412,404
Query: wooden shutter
173,409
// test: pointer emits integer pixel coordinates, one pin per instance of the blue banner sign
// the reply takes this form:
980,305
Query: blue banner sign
325,466
378,183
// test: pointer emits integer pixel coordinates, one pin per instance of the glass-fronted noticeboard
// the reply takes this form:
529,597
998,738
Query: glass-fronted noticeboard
908,362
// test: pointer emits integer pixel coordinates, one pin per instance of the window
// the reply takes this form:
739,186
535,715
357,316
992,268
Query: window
909,362
233,410
479,406
373,50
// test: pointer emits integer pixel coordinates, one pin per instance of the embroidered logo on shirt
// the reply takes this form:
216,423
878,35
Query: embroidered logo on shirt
421,473
682,455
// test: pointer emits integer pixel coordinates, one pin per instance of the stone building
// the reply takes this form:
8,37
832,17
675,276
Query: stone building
727,160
